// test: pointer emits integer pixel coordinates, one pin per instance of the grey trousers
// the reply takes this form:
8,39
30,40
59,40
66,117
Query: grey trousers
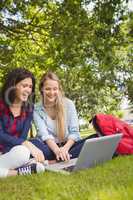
16,157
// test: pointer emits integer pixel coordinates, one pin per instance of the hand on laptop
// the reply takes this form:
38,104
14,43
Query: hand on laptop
63,154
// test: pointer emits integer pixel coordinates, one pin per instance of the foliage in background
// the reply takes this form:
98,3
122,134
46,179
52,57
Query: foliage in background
88,43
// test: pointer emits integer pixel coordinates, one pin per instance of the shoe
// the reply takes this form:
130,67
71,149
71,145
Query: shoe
31,169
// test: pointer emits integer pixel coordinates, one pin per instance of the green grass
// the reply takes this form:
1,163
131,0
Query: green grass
86,132
111,180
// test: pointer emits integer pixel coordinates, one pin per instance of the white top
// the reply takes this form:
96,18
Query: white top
46,127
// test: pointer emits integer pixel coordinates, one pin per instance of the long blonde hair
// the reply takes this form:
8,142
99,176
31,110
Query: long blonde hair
59,104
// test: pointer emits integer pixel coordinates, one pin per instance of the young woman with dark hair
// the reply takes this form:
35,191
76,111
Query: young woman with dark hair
16,113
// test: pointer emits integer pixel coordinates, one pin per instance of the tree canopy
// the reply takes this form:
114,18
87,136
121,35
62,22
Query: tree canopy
88,43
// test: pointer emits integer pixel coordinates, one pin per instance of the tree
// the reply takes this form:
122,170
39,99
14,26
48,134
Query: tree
81,46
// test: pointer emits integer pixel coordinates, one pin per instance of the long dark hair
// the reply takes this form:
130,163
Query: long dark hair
12,78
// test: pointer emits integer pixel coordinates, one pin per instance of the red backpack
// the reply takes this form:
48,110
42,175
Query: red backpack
108,125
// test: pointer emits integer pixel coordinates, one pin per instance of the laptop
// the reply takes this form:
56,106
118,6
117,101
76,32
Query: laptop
94,151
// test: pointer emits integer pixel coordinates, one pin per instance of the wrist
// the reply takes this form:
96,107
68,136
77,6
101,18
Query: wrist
26,142
66,147
56,151
69,144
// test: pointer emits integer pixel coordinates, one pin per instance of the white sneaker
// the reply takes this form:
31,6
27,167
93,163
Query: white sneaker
40,167
31,168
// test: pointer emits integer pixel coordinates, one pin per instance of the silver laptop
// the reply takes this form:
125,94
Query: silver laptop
94,152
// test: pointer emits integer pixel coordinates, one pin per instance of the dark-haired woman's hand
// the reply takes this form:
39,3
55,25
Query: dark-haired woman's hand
35,152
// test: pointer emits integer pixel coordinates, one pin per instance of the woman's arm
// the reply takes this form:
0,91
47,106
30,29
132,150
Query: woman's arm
42,129
49,138
7,139
72,122
60,152
73,130
35,151
27,125
64,151
69,144
42,132
54,147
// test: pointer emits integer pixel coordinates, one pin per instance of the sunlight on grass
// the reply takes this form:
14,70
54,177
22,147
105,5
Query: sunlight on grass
119,193
87,132
111,180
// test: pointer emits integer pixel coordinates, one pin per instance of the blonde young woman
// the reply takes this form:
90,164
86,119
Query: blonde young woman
56,121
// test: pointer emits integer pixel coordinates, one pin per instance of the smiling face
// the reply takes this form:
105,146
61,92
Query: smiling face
23,90
50,91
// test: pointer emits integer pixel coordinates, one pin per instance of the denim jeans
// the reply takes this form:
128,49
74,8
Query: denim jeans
48,153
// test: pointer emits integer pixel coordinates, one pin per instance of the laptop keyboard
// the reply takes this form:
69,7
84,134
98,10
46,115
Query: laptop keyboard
69,169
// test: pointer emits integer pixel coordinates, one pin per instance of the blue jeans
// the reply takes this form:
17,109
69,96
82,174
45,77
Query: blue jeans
48,153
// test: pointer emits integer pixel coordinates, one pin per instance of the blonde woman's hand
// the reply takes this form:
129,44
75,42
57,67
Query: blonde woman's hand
64,155
35,152
57,153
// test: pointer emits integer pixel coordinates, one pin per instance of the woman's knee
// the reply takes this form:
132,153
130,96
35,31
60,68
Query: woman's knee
21,153
3,172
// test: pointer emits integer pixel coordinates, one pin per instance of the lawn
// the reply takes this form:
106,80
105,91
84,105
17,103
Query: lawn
111,180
